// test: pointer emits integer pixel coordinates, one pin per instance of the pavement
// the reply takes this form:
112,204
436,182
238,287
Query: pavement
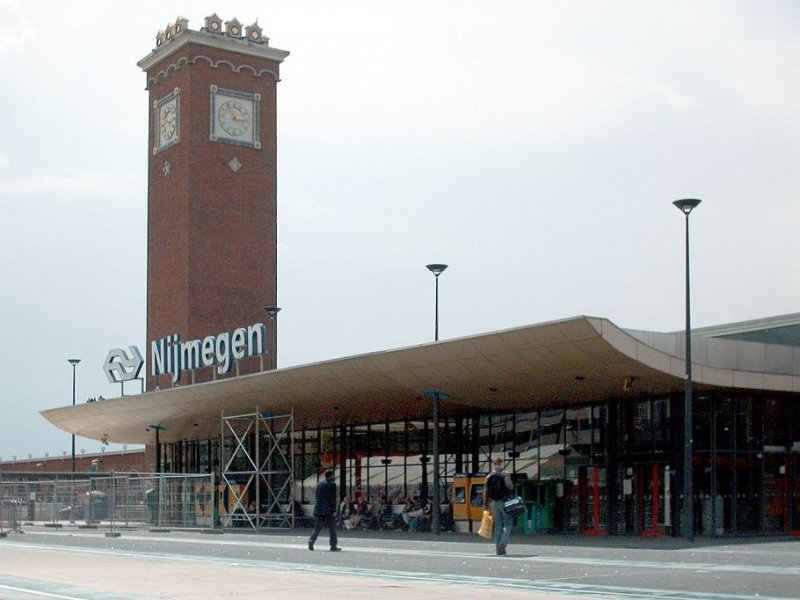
73,563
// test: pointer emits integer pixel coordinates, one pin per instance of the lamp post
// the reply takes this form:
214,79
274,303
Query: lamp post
437,270
386,462
686,206
435,512
273,311
160,488
158,429
74,362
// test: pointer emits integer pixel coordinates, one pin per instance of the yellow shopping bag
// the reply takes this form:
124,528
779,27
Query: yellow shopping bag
487,523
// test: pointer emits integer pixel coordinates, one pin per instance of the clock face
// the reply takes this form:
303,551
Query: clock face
166,112
234,117
169,121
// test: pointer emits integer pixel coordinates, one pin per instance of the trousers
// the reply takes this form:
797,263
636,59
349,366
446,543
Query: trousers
324,521
503,523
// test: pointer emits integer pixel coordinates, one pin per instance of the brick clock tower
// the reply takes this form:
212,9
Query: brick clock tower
212,187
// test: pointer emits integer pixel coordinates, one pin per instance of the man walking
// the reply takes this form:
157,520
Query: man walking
325,511
496,489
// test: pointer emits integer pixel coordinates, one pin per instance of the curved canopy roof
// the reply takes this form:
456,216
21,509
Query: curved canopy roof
553,364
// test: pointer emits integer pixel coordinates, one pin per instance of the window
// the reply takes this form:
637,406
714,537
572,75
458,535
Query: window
476,495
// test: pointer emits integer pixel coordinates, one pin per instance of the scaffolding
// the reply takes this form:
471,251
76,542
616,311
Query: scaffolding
257,470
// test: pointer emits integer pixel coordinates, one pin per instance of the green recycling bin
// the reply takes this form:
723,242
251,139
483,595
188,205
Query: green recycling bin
529,527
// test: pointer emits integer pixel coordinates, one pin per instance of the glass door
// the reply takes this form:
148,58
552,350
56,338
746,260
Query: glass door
794,499
776,501
653,499
593,500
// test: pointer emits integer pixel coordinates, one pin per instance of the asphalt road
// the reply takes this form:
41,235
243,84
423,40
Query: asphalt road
71,563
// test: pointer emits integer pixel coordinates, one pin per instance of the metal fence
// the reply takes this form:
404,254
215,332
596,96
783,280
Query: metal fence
111,499
10,511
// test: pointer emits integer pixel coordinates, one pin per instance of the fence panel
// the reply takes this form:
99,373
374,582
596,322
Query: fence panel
111,499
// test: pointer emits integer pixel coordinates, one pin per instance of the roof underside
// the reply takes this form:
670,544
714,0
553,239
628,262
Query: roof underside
547,365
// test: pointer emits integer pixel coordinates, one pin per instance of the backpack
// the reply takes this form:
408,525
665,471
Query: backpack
496,486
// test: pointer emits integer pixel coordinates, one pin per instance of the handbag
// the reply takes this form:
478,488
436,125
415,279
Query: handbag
514,506
487,523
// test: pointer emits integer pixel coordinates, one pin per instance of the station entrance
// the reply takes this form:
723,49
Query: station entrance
646,500
599,469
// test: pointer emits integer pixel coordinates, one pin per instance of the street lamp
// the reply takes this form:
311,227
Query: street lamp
437,398
436,270
386,462
74,362
158,429
273,311
686,206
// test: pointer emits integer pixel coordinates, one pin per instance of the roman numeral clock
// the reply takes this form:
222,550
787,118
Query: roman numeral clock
165,113
235,117
212,181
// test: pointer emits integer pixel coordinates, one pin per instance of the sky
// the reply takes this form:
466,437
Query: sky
533,146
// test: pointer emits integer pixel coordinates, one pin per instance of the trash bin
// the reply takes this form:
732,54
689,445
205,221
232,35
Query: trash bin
523,488
151,504
96,505
31,507
545,498
529,527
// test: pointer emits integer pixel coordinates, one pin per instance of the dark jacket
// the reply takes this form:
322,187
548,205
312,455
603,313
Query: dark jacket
508,484
326,499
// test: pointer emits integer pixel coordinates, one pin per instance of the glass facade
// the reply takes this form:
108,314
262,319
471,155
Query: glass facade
743,470
605,468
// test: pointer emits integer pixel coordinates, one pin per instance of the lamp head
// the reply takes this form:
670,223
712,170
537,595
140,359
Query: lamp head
74,361
436,269
686,205
272,311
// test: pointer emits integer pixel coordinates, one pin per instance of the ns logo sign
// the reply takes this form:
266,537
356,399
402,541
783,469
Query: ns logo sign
121,366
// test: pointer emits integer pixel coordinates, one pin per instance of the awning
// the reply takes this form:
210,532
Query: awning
560,363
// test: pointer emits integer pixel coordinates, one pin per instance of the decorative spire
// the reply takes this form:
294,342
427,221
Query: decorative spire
254,33
233,28
214,24
172,30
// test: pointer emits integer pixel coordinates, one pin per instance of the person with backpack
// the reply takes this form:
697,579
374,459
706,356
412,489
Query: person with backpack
496,489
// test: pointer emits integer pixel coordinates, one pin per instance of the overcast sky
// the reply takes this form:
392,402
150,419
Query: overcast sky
535,147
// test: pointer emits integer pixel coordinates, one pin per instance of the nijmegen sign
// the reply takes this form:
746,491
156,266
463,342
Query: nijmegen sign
171,355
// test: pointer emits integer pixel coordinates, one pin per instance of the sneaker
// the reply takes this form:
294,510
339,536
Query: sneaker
501,549
310,545
335,549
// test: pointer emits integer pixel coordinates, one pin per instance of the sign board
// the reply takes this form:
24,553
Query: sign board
172,355
123,366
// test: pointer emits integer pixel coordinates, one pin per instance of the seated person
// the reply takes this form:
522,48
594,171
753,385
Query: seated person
412,510
389,519
385,510
386,514
362,513
346,510
422,522
446,522
296,510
